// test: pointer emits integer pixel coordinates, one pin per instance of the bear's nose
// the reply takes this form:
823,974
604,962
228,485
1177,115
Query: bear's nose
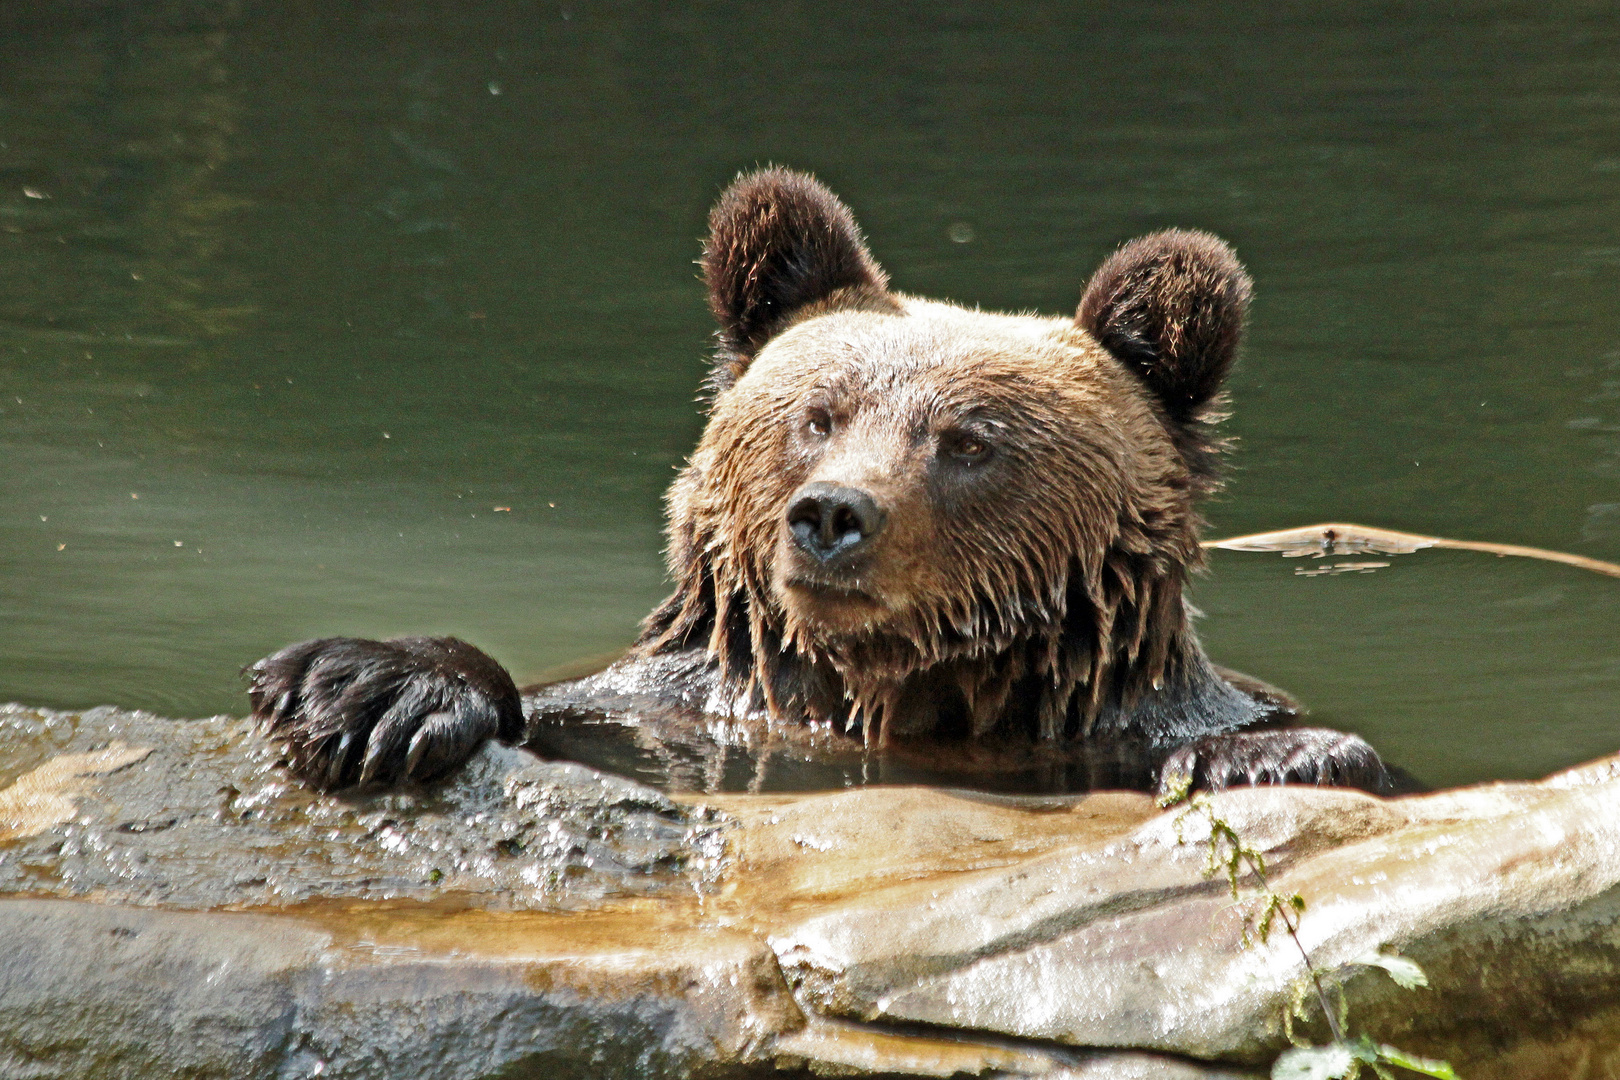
828,520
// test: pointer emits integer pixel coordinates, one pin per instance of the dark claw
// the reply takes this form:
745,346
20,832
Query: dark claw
1287,755
390,740
355,712
339,763
443,740
436,731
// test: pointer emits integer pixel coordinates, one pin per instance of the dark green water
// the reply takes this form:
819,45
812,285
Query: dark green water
323,284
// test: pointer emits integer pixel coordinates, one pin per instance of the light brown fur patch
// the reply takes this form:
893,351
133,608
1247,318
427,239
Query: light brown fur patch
1094,498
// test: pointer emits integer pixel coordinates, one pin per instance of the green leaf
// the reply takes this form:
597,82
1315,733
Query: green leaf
1315,1063
1405,972
1426,1066
1175,790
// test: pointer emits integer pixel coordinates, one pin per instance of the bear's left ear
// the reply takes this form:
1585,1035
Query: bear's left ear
778,242
1171,307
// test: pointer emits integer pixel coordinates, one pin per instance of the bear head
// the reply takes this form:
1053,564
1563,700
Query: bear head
916,517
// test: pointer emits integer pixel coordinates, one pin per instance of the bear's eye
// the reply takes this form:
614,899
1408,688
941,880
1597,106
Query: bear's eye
818,422
967,448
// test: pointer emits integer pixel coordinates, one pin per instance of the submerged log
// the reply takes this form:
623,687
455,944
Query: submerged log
171,903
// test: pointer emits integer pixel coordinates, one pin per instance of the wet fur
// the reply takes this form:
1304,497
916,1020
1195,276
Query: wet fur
354,712
1061,609
1044,608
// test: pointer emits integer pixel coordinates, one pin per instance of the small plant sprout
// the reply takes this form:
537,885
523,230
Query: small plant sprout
1346,1055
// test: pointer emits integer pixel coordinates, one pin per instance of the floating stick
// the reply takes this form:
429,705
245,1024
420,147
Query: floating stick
1340,539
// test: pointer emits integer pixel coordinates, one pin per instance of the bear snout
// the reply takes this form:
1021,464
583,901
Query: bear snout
831,522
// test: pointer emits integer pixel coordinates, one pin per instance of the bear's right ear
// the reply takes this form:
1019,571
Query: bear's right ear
778,242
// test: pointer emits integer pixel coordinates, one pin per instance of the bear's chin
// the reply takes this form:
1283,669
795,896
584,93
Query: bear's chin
828,612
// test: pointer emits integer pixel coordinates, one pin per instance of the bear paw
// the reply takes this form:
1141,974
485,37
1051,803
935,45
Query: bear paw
353,712
1299,755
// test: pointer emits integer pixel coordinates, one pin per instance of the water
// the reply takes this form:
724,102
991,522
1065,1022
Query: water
292,297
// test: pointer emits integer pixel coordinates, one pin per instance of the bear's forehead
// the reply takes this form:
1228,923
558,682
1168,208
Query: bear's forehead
928,342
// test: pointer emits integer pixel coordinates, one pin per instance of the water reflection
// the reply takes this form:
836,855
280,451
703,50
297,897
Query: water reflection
692,752
1456,665
1329,569
117,200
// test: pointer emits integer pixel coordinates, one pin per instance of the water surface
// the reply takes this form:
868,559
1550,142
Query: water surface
294,297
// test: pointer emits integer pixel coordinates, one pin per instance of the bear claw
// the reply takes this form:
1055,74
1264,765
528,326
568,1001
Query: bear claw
1300,755
353,712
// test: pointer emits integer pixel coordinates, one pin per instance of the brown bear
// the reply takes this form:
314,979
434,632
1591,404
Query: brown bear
909,527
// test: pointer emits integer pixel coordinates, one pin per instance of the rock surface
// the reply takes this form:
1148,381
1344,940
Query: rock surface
173,905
